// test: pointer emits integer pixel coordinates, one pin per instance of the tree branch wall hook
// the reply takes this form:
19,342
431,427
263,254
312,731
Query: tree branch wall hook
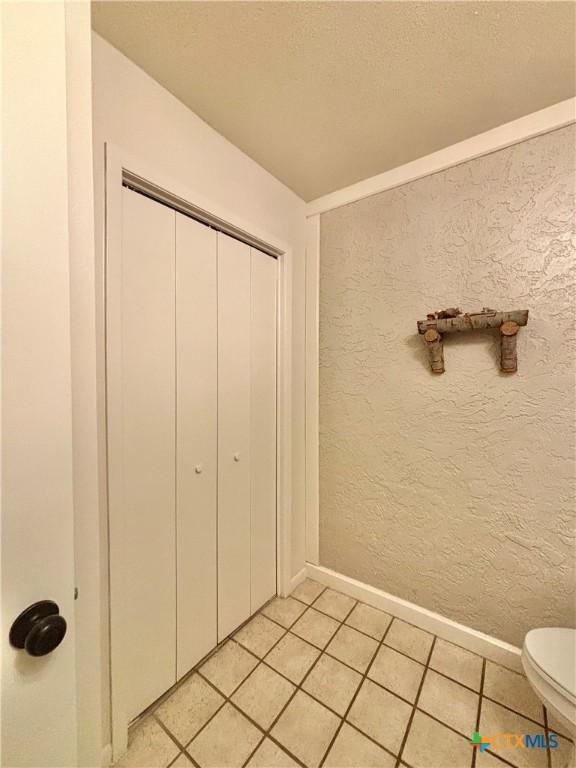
453,320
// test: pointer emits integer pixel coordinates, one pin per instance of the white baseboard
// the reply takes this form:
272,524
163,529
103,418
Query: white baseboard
297,579
490,647
106,759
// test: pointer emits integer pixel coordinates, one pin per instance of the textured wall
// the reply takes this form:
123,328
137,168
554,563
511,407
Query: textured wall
456,491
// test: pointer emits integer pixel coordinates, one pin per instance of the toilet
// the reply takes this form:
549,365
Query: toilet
549,661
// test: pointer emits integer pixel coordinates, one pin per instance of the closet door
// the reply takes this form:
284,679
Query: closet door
263,428
233,434
141,412
196,430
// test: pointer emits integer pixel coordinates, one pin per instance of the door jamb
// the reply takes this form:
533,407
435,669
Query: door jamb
117,161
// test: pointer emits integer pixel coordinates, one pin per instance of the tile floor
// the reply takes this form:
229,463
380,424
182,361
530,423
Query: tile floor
319,679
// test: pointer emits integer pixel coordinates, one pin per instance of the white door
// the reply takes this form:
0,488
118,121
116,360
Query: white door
196,431
141,455
263,428
38,697
233,434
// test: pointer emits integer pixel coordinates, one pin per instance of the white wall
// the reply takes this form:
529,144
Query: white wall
137,114
455,492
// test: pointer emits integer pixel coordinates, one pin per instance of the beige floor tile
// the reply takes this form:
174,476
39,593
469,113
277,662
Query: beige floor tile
513,690
431,745
284,611
352,648
189,707
459,664
332,683
306,729
410,640
495,719
308,591
487,760
292,657
228,667
369,620
226,742
352,749
380,715
449,702
562,753
182,761
315,627
558,726
149,746
397,672
259,635
335,604
269,755
262,695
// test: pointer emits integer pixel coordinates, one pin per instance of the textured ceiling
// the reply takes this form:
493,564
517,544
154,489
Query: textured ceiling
324,94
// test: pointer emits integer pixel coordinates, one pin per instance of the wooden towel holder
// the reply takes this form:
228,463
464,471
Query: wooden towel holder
453,320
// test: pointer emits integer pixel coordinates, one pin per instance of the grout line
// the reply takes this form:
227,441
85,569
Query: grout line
171,763
483,675
324,649
256,748
397,618
502,759
441,722
298,687
264,732
381,643
546,731
228,700
168,733
357,691
322,653
411,718
454,680
375,682
514,711
189,756
176,741
196,670
151,709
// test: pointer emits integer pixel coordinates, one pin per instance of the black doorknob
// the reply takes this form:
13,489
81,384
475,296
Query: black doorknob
39,629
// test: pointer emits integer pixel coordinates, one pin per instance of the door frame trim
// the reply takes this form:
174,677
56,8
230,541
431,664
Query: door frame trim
120,165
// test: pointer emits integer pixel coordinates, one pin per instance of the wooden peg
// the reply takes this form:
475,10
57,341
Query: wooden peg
508,356
435,350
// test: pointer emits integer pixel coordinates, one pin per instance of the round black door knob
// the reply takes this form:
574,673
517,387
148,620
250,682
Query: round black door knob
39,629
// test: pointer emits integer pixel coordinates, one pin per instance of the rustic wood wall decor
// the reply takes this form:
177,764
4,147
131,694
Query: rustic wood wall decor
453,320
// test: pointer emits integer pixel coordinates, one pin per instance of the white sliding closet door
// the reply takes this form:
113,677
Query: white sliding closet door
141,402
196,430
263,428
233,434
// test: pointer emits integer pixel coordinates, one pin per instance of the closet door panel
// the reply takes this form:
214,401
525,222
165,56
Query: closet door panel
196,430
142,492
263,428
233,434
